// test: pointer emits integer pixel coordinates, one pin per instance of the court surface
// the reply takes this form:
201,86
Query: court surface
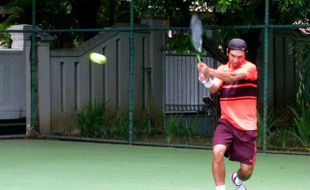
65,165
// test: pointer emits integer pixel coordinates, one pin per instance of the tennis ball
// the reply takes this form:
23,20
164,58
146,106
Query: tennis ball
97,58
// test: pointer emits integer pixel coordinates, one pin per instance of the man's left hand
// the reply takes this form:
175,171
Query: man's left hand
203,68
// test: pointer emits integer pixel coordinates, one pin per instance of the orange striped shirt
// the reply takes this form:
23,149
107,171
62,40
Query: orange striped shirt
238,99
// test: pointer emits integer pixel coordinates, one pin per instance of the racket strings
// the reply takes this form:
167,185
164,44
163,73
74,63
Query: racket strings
196,32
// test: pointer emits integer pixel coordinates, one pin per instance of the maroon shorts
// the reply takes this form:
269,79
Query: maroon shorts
241,145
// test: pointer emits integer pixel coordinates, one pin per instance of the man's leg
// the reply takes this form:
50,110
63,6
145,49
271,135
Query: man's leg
218,166
221,141
245,172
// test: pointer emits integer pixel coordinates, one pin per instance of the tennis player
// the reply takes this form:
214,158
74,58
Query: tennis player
236,131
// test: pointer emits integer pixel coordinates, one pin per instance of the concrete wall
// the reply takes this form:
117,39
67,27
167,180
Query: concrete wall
13,83
74,80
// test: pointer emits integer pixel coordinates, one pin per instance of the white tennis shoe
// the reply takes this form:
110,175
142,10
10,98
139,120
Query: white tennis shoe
241,186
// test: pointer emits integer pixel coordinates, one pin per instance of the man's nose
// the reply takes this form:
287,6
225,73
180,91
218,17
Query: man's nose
235,59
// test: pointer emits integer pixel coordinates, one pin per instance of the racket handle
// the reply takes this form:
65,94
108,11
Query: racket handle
198,55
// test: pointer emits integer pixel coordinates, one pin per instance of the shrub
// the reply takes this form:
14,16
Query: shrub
176,129
271,123
302,123
119,126
90,119
171,129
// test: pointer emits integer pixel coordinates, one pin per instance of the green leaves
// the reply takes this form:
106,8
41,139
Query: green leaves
181,42
223,6
303,67
178,129
302,123
5,37
271,124
286,5
90,119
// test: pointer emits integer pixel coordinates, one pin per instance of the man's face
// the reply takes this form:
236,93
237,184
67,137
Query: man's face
236,57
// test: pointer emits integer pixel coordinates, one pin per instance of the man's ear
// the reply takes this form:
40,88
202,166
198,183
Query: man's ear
227,51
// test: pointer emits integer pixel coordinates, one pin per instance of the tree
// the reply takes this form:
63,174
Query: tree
228,12
63,14
67,14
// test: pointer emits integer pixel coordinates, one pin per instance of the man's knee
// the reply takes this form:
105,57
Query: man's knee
245,171
218,153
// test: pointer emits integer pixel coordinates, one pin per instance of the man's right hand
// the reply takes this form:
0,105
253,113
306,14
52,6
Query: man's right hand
201,77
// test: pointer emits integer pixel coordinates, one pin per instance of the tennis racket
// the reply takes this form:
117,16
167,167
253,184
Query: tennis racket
196,33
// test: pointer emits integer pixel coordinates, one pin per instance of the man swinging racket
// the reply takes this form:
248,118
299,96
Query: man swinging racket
236,131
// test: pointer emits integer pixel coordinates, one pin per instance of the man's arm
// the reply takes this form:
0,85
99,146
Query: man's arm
223,75
214,89
227,76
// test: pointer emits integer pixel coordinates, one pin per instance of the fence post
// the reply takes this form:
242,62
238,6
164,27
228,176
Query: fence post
156,64
266,64
44,84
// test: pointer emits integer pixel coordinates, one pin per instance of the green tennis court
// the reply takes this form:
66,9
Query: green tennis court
65,165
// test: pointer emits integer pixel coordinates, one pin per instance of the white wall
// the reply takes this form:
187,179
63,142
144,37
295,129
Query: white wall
12,84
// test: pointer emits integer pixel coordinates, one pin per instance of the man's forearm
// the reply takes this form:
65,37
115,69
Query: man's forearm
227,76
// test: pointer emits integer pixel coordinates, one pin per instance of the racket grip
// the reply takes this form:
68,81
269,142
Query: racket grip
198,57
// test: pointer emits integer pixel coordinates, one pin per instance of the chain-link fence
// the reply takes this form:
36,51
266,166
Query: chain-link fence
148,91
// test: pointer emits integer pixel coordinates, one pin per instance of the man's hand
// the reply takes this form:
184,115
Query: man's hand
203,68
204,77
201,77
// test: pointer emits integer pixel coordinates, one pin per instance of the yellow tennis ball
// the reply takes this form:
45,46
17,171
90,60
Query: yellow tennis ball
98,58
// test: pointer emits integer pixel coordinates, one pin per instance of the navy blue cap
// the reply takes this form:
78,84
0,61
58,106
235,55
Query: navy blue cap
237,44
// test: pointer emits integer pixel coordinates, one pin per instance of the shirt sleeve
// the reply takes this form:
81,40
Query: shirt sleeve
218,82
250,71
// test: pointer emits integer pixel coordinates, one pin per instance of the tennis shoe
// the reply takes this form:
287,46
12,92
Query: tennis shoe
241,186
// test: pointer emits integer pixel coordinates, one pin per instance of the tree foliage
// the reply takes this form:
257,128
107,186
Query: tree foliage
67,14
303,67
228,12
